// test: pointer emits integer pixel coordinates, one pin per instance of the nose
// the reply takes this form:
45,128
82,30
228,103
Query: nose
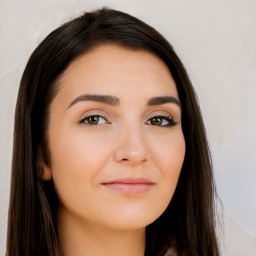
131,147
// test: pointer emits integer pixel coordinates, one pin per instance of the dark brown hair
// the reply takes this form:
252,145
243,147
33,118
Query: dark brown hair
187,226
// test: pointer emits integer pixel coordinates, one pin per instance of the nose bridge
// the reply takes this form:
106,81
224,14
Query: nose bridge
132,146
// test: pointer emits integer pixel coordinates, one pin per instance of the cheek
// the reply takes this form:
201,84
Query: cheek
172,153
168,156
77,151
77,160
170,161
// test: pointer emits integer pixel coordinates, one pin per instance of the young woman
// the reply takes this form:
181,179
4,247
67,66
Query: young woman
110,155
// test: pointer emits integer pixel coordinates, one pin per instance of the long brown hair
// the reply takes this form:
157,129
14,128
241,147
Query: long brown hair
187,226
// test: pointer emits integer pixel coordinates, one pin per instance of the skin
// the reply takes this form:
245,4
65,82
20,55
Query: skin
94,219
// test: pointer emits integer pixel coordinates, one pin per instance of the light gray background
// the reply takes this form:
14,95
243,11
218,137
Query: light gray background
215,39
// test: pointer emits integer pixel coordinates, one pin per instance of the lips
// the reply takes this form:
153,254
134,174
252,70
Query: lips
130,185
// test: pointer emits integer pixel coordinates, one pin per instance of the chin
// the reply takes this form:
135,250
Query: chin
131,219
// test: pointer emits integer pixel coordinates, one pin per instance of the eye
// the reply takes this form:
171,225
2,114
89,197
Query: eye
94,120
161,121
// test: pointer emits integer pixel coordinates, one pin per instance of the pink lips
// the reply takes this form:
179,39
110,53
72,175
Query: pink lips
130,185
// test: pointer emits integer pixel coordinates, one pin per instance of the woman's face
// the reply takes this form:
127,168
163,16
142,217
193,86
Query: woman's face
115,139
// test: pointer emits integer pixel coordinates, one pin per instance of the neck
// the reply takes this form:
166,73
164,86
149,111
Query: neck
79,238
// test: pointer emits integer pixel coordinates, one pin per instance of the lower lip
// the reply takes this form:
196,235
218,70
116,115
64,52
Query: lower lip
131,188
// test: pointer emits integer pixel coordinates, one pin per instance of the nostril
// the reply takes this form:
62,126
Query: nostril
129,155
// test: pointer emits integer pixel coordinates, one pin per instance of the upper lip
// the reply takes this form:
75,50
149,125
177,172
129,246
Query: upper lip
130,180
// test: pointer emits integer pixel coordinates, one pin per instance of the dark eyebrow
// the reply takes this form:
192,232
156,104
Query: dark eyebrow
110,100
114,101
162,100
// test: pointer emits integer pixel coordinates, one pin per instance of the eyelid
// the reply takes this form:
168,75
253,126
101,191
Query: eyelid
166,112
94,112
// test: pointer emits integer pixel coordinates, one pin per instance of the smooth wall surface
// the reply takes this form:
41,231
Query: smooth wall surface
215,39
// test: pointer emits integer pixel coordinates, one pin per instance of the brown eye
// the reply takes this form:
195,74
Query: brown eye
162,121
94,120
156,121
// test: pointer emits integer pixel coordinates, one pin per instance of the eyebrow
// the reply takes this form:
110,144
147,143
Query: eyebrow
110,100
163,100
114,101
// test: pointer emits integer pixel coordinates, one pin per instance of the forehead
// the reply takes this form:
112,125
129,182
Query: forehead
113,69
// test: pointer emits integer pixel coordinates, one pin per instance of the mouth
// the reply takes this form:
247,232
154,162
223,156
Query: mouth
130,185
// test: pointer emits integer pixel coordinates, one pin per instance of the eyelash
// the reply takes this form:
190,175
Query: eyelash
83,120
168,119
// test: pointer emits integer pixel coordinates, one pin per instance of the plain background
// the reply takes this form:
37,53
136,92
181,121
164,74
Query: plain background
215,39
